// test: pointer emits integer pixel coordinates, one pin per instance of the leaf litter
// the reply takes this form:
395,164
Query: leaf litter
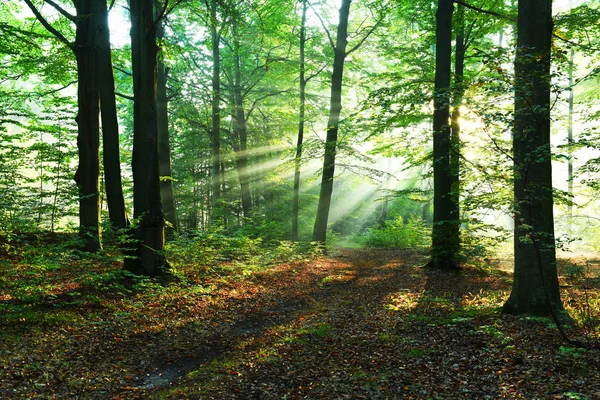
365,324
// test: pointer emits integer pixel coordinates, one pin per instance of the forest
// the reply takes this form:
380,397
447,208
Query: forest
299,199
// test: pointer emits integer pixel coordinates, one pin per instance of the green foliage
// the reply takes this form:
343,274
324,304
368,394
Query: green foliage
396,234
206,248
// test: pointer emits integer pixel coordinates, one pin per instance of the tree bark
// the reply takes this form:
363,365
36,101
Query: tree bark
215,133
535,288
320,228
110,127
88,124
445,241
149,256
164,146
240,130
301,120
455,146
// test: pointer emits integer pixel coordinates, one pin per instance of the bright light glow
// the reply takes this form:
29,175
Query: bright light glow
119,24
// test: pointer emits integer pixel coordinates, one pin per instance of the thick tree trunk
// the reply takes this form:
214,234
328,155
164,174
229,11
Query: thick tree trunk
335,109
164,147
88,137
535,288
215,133
445,240
301,120
150,230
110,127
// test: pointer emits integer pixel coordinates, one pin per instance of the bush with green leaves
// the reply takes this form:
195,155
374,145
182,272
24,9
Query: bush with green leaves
396,234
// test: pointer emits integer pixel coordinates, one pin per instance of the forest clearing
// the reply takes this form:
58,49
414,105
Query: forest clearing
361,324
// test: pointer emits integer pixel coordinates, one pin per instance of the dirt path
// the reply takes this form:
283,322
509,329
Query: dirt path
373,325
367,324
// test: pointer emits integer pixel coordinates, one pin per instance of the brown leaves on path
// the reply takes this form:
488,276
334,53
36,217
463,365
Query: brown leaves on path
364,324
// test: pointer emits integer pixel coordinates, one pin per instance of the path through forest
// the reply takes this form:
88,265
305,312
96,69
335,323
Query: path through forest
368,324
372,324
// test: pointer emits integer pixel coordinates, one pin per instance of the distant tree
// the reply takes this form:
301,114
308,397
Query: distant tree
302,81
535,288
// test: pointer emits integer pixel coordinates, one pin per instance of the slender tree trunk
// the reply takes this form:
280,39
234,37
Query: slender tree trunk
88,137
301,120
444,238
335,109
110,126
570,143
535,288
215,134
164,147
241,131
150,230
455,146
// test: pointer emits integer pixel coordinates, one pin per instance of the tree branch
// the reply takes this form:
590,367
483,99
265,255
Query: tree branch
361,41
61,10
488,12
331,42
125,96
47,25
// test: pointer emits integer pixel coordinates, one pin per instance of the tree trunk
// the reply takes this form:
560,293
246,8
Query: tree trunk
150,230
88,137
215,134
335,109
110,127
455,146
301,120
241,131
164,147
535,288
445,241
570,143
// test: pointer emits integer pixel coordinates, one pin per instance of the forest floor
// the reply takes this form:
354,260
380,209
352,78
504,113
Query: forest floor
362,324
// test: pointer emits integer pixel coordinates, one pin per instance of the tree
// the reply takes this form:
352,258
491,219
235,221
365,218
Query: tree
215,133
335,109
445,239
164,146
148,256
87,176
95,88
301,122
535,288
110,126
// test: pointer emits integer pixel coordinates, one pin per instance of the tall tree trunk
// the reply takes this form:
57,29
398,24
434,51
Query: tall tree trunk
110,127
88,137
301,120
444,236
335,109
535,288
164,147
150,230
215,133
455,146
570,143
241,130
